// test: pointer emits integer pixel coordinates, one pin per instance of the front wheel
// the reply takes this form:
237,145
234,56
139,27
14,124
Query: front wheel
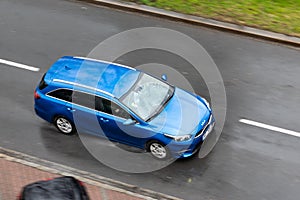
158,150
64,125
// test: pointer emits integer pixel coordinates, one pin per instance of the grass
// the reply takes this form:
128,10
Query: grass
282,16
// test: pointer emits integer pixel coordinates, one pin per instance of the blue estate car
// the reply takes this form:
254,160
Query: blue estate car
123,104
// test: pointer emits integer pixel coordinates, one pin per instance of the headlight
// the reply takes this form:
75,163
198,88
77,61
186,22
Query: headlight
206,103
179,138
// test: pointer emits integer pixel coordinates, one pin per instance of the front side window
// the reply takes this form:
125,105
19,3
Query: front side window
147,97
111,108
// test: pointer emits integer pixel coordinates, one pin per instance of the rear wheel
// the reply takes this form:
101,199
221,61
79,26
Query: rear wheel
64,125
158,150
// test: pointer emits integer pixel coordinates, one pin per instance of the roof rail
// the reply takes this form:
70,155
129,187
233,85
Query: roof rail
83,86
103,61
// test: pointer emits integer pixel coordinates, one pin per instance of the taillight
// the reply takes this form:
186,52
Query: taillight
36,95
80,183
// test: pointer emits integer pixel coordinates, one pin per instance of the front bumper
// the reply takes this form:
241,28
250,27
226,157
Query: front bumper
185,150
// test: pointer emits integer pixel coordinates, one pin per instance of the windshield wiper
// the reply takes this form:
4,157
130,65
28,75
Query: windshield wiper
165,102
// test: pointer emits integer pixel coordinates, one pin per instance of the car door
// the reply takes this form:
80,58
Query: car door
84,113
60,98
112,117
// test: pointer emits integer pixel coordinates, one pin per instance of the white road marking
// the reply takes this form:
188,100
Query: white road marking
19,65
269,127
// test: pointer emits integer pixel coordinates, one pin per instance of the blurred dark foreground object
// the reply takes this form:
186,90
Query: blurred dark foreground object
62,188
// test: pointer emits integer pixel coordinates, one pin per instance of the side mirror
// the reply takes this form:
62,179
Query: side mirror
129,122
164,77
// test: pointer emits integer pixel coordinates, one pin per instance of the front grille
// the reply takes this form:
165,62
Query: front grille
200,132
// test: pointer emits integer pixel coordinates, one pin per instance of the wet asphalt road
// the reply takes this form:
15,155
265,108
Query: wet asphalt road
261,79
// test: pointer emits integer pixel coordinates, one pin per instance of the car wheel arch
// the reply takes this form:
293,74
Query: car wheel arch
148,144
70,121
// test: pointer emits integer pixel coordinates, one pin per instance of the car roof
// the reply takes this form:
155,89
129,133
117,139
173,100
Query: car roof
92,75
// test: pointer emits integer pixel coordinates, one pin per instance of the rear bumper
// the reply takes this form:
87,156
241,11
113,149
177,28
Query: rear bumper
42,114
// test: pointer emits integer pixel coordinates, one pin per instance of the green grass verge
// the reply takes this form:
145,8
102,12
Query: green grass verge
282,16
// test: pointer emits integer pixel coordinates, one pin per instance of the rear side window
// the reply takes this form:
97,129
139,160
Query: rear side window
43,83
63,94
84,99
79,98
90,101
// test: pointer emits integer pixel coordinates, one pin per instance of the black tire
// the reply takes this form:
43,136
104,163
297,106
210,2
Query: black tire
64,125
158,150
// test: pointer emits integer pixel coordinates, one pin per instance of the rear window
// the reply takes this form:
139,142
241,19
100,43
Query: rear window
43,84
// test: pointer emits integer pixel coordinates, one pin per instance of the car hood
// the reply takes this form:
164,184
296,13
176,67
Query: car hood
182,115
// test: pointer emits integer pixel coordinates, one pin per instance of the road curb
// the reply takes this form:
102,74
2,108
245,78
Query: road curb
190,19
84,176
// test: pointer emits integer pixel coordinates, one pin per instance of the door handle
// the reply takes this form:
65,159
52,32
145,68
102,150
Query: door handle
104,120
71,110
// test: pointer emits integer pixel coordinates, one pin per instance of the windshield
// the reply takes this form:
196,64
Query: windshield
147,97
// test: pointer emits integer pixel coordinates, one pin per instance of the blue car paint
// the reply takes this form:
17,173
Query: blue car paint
184,109
104,76
185,113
